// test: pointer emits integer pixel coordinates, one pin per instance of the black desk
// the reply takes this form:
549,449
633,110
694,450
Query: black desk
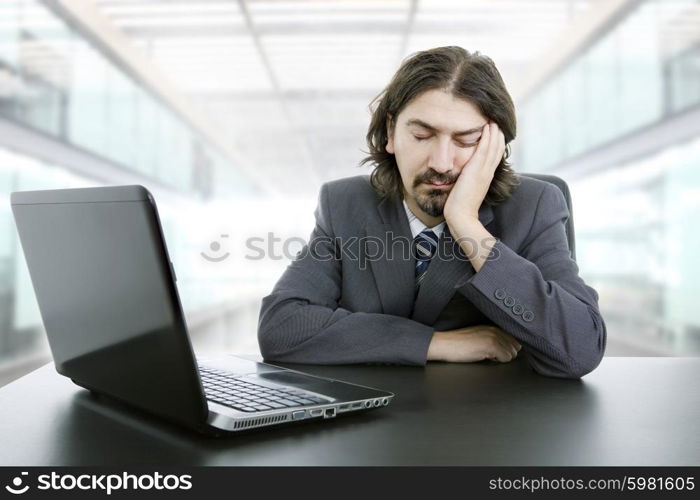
630,411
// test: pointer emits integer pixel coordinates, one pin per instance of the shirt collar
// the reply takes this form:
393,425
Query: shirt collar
417,226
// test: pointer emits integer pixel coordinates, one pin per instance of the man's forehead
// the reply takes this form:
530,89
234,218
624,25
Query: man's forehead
415,122
439,111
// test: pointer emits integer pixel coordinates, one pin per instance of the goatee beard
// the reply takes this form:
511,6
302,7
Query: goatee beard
432,202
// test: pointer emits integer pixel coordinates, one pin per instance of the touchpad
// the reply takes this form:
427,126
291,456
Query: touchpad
291,378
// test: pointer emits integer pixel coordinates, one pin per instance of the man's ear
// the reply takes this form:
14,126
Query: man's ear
390,134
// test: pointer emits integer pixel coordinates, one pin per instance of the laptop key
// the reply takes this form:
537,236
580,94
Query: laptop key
293,397
287,402
316,399
304,401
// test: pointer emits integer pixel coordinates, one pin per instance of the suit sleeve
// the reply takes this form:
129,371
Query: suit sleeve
539,298
301,321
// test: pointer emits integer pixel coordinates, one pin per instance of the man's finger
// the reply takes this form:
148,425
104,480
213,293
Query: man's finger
510,339
510,348
479,155
504,349
514,342
494,147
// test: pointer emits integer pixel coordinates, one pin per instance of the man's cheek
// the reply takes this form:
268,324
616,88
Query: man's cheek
467,156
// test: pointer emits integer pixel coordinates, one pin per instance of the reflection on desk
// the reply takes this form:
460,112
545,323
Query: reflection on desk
629,411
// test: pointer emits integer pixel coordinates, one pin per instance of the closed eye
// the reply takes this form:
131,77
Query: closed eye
460,144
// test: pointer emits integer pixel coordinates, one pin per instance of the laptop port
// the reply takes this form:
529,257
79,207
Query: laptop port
329,413
385,401
368,404
316,413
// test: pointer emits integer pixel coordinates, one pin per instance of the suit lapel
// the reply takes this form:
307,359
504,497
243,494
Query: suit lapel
394,272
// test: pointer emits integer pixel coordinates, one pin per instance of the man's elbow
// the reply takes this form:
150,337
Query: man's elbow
580,369
279,344
271,340
565,370
269,344
589,355
589,359
573,366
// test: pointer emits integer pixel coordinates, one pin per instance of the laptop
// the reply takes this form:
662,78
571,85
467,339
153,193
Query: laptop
107,294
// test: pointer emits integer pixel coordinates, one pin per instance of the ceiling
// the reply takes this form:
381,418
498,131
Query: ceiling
290,81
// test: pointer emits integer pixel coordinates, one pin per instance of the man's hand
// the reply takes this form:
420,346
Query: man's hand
475,178
461,209
475,343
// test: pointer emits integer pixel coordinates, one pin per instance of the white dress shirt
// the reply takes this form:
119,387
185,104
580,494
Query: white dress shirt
417,226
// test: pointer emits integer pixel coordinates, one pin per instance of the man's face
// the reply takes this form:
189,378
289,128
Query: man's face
435,135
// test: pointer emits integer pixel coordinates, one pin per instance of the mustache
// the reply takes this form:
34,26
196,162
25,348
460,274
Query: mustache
432,178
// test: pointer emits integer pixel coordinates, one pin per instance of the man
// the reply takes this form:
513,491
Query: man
490,273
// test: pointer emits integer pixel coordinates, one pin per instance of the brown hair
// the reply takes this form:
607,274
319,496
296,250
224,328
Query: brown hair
469,76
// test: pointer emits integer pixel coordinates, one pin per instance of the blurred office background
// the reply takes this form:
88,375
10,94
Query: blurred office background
233,112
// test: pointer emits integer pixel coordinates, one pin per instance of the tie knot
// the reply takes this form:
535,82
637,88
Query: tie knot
425,244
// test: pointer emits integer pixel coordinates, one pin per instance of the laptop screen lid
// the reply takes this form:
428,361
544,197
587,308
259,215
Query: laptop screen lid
103,282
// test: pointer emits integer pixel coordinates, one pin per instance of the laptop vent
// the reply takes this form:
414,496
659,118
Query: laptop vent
259,422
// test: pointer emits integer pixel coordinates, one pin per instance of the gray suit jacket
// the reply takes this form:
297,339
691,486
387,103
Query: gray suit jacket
344,301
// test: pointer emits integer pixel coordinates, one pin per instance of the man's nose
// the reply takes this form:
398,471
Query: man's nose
442,157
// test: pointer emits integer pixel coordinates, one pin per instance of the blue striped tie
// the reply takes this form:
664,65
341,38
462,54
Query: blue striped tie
425,245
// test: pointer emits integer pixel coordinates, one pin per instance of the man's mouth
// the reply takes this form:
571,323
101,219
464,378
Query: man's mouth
439,184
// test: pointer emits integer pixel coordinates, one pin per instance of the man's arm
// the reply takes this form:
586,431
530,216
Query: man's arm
300,321
538,297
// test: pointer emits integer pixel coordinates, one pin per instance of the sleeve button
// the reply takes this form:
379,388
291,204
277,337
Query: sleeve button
509,302
500,294
528,316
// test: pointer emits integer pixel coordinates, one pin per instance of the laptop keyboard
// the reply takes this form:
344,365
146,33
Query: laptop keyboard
224,388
